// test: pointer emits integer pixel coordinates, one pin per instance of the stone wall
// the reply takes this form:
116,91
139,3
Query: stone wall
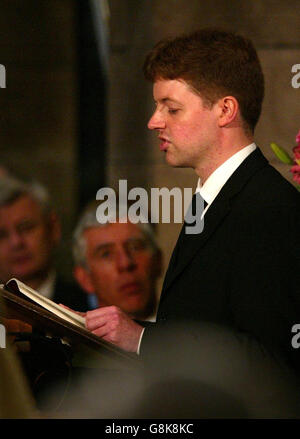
38,111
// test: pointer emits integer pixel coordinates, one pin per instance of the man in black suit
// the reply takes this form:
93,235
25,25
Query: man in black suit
242,272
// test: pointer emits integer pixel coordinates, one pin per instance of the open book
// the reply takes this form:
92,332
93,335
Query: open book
24,303
19,288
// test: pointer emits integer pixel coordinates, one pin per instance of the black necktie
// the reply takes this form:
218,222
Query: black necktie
195,210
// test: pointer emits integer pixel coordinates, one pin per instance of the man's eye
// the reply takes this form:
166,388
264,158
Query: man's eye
26,227
104,254
3,234
173,110
136,245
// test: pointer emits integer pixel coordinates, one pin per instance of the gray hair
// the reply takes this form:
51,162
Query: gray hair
11,189
89,219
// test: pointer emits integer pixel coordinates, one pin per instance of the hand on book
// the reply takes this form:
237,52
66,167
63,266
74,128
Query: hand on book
114,326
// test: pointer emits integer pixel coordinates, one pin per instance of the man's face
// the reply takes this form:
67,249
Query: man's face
121,267
187,128
26,240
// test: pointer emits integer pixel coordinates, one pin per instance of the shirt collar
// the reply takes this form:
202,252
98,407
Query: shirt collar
218,178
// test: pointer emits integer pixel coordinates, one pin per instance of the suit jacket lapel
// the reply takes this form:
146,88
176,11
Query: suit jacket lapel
214,216
193,243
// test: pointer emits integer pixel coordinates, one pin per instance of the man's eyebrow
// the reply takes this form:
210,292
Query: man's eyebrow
103,246
169,100
27,220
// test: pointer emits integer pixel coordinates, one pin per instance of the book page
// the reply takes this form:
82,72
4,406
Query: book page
17,286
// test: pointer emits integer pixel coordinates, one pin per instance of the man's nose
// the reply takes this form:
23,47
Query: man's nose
156,121
16,239
124,260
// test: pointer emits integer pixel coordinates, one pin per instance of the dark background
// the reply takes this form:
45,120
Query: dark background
75,107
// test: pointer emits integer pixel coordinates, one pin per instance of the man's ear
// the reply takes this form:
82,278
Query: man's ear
229,108
82,276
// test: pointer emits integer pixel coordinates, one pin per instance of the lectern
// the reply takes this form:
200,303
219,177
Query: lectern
57,349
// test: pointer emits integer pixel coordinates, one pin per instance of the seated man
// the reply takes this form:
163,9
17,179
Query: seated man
29,234
119,263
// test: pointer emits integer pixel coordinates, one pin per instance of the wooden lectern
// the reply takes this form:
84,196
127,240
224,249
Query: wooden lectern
84,351
51,325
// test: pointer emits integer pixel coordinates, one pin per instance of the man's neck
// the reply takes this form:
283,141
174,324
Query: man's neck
213,185
221,153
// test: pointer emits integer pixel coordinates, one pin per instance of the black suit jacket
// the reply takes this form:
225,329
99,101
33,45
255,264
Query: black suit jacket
243,270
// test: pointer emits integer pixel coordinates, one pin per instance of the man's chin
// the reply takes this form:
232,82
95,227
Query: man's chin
139,311
175,163
134,310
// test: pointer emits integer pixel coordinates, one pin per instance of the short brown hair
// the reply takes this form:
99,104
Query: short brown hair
214,63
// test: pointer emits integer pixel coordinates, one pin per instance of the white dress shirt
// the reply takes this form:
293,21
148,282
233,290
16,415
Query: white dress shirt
210,189
46,289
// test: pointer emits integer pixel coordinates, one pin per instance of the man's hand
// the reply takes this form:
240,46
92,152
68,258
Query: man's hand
113,325
82,314
13,325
